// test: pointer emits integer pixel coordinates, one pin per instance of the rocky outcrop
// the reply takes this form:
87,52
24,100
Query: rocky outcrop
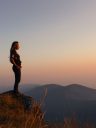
19,111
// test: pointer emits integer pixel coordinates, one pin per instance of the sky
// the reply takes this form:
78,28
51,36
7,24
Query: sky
57,41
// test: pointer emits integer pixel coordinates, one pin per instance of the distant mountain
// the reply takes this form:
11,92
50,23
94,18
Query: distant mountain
65,101
71,92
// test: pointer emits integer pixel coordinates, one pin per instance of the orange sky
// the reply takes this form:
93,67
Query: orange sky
57,41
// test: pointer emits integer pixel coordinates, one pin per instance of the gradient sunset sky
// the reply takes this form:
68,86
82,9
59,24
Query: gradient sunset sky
57,41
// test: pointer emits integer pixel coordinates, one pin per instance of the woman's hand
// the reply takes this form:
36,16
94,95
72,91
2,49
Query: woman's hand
19,67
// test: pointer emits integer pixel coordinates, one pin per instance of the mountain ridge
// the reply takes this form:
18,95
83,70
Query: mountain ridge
72,89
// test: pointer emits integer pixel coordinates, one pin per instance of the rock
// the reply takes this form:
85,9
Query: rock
21,110
19,98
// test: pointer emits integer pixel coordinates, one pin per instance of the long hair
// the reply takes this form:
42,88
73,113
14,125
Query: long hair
13,46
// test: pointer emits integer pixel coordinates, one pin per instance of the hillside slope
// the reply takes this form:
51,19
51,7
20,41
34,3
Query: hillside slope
20,111
66,101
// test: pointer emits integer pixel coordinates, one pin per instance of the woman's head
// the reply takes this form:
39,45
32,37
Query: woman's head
15,45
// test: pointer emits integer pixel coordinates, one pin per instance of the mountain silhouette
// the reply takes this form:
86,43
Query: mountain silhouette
71,92
66,101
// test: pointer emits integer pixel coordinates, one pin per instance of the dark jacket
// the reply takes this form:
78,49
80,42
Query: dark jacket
15,56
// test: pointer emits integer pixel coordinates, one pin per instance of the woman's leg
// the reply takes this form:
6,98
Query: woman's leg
17,73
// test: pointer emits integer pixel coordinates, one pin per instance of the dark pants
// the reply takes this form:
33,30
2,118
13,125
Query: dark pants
17,73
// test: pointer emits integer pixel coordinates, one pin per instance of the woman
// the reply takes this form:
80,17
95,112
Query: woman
15,60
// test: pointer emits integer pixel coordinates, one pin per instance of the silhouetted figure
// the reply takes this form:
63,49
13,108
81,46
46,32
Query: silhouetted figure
15,60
